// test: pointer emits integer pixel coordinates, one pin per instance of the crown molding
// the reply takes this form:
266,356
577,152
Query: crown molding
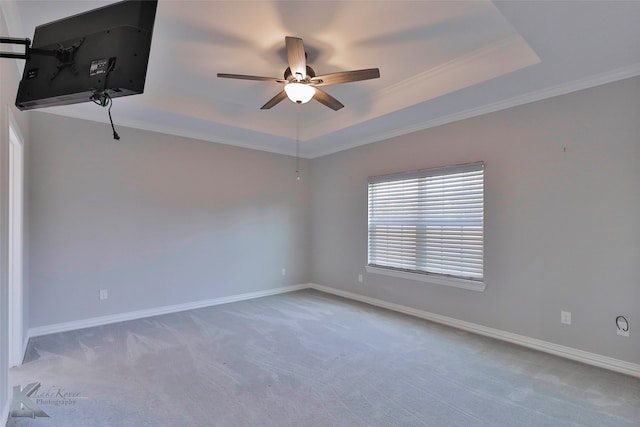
538,95
183,132
425,78
498,58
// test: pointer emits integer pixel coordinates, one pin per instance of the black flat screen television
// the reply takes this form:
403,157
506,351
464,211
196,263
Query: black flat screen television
105,49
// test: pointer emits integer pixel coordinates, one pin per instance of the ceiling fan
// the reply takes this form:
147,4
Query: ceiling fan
301,83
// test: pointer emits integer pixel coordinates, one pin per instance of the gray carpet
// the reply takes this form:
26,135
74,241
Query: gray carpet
310,359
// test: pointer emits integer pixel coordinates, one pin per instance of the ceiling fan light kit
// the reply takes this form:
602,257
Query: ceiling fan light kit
299,93
300,81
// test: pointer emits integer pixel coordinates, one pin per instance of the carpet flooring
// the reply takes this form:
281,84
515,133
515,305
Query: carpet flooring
308,359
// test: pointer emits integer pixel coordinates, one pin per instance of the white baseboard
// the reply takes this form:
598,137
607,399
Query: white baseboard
4,415
25,342
586,357
139,314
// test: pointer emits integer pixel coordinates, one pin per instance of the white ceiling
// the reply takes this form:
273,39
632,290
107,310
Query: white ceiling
439,62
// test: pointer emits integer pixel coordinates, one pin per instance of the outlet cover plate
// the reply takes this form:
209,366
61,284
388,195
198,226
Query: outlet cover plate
565,317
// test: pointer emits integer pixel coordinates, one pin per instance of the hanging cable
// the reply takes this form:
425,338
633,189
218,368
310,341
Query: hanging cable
103,99
115,134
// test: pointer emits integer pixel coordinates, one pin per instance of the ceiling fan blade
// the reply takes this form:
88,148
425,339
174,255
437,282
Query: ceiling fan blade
275,100
328,100
296,57
243,77
345,77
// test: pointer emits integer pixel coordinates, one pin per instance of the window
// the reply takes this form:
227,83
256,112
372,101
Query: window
429,225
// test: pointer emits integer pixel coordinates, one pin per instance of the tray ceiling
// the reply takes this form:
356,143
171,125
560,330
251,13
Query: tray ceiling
439,62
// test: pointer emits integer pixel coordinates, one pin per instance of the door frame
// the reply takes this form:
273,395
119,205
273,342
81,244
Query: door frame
16,244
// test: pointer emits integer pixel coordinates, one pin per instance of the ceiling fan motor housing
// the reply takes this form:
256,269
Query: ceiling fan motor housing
288,76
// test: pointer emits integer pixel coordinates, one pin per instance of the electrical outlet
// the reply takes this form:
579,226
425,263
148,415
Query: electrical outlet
565,317
284,271
360,277
104,294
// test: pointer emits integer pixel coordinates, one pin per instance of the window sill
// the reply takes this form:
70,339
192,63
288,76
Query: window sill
445,281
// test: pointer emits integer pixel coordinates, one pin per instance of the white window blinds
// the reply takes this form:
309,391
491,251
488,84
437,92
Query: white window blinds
429,221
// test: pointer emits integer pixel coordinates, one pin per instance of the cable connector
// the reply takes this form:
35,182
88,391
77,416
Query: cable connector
103,99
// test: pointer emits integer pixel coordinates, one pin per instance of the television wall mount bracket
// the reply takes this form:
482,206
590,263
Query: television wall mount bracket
28,50
64,55
66,58
10,40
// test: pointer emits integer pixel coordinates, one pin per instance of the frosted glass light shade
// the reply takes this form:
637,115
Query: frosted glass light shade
299,93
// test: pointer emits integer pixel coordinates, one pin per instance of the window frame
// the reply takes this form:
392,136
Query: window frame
419,275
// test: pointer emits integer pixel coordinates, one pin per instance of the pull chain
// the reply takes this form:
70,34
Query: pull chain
298,145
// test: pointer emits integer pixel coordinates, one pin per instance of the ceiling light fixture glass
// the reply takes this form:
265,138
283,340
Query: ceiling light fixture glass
299,93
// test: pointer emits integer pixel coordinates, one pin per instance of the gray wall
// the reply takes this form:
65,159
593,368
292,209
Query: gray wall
162,220
562,227
156,219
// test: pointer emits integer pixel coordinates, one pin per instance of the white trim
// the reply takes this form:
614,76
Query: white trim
536,95
4,415
429,278
586,357
632,70
512,53
139,314
25,344
16,338
15,127
208,135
